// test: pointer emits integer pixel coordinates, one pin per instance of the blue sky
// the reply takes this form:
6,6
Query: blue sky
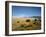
26,11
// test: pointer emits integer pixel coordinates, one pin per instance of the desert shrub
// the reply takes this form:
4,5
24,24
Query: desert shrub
28,20
17,21
35,20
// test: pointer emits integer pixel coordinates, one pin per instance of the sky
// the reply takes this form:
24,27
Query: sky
22,11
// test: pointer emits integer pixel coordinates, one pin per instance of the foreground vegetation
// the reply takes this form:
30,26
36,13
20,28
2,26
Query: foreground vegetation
25,24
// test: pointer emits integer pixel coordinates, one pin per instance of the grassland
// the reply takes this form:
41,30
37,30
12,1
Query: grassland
25,24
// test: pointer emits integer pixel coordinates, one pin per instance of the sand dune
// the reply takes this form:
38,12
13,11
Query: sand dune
22,21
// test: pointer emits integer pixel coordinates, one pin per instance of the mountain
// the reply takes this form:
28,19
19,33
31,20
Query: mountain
27,17
36,17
